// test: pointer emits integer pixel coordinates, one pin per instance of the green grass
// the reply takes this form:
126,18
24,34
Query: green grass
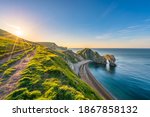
48,76
65,56
10,46
8,63
8,72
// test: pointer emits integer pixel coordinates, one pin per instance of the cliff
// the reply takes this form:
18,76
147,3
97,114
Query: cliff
73,57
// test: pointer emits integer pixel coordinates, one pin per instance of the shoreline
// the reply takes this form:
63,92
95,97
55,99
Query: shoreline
88,77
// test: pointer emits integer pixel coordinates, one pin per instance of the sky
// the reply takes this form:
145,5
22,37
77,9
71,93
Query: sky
79,23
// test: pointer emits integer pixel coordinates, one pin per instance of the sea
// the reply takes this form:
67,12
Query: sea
130,79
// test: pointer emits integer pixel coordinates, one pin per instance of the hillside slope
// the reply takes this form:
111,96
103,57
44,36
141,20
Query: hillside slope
52,46
46,76
11,44
49,77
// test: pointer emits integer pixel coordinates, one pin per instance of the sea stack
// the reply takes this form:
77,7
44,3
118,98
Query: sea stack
111,59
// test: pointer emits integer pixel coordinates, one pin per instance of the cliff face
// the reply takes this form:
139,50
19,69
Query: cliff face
73,56
91,55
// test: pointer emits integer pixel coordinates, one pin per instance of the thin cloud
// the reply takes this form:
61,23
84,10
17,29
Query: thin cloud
13,26
147,27
129,29
104,36
147,20
125,33
109,9
133,27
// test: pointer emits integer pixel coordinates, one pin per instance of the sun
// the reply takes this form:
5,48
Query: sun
19,33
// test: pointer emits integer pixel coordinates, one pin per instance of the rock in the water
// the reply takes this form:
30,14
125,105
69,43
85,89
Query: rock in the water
89,54
111,59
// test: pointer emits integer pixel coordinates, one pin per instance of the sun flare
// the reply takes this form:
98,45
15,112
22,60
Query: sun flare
19,33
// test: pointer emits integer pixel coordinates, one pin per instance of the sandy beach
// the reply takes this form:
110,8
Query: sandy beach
83,71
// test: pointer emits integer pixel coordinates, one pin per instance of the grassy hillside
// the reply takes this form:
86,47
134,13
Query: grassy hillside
10,44
47,75
52,46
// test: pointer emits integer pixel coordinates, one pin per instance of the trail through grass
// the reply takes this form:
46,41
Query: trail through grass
13,75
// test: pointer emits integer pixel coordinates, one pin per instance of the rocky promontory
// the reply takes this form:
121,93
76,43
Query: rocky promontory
89,54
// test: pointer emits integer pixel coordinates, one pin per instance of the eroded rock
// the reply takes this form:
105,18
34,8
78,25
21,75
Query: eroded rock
111,59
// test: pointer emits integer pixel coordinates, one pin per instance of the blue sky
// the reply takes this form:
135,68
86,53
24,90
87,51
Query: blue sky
80,23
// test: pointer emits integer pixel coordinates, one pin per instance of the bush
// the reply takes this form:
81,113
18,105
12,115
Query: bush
9,72
24,94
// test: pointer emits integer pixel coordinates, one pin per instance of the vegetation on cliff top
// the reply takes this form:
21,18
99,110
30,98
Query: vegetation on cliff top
49,77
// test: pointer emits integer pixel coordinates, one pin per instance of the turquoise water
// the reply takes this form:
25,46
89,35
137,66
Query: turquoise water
130,79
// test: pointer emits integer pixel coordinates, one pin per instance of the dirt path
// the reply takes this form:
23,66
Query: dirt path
10,85
87,77
3,60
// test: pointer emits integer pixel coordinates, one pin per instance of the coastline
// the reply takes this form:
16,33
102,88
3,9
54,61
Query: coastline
87,77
